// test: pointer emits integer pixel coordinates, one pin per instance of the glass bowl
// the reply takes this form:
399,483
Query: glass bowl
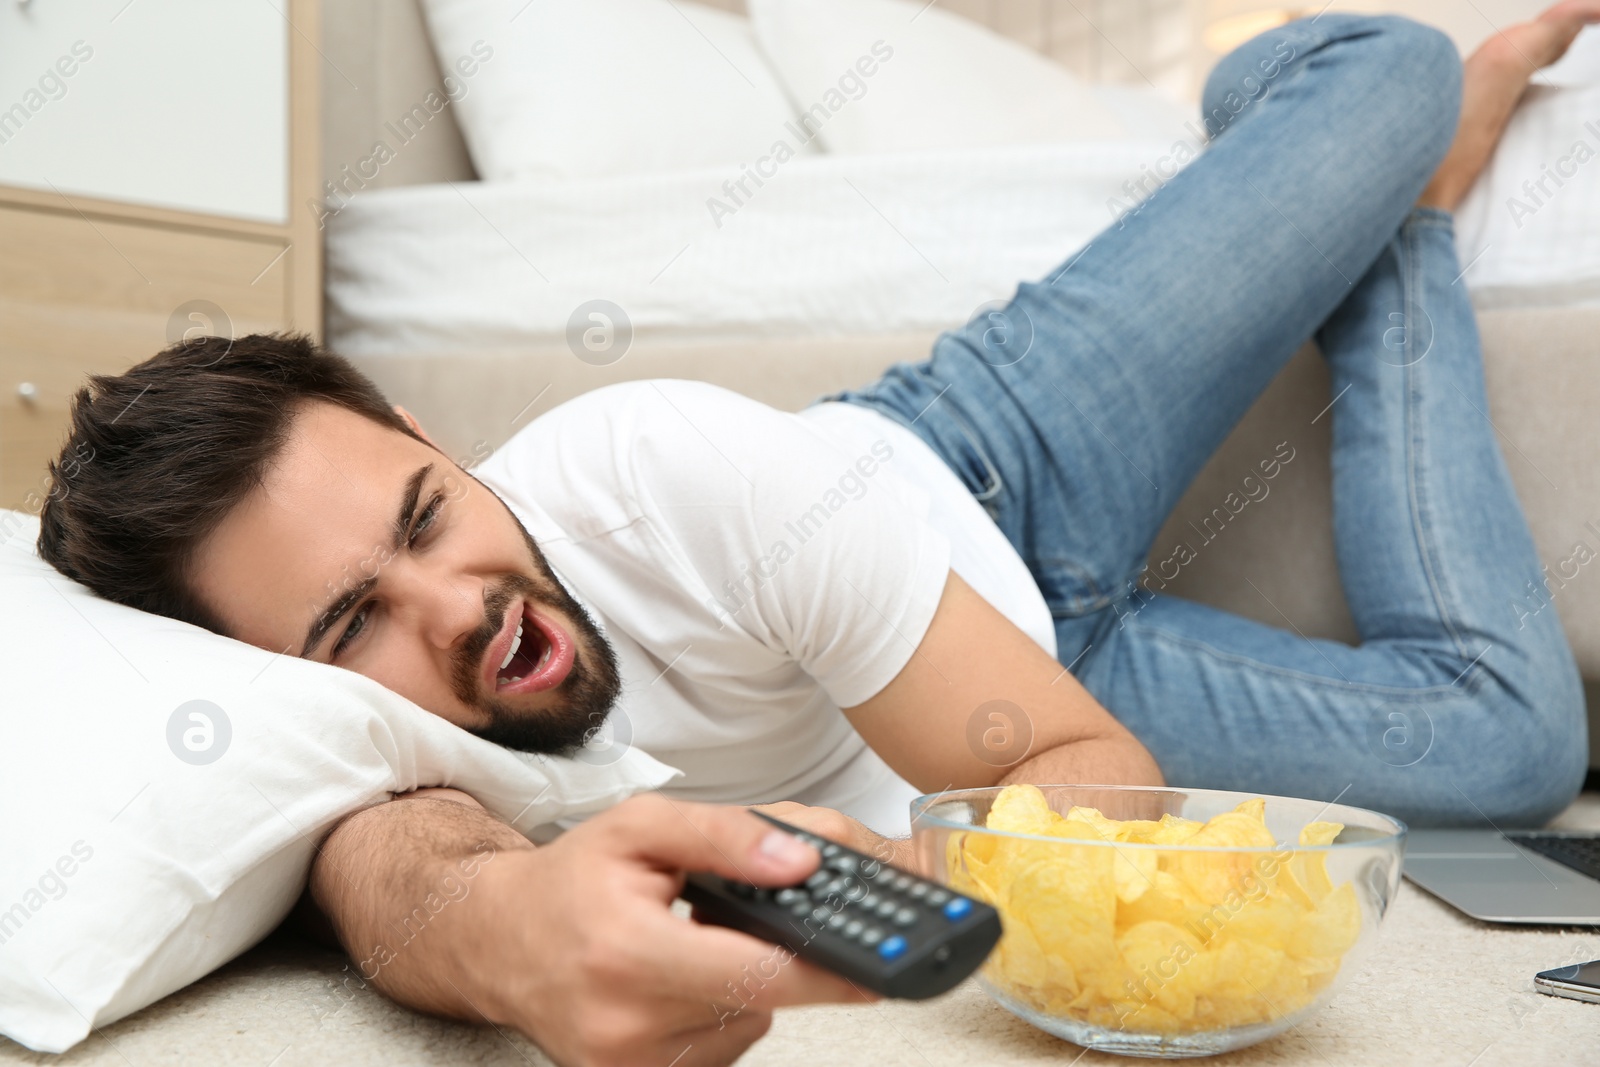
1163,949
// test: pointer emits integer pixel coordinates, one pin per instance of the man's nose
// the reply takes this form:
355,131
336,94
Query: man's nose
445,608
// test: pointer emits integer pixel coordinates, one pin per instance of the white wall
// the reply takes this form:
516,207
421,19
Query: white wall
179,103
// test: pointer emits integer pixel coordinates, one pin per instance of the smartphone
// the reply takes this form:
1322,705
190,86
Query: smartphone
1581,981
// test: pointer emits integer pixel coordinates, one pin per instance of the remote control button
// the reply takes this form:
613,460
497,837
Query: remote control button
957,909
905,917
900,883
789,896
871,868
892,948
871,936
838,885
800,909
819,878
886,908
937,897
870,901
820,914
838,920
830,850
843,864
853,928
918,890
855,891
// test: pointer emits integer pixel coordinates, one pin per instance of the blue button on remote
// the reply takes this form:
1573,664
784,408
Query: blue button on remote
957,909
892,948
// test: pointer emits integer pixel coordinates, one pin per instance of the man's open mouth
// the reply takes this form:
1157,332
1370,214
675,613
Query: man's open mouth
532,653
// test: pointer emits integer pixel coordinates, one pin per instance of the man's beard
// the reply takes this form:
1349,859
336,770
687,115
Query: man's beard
588,692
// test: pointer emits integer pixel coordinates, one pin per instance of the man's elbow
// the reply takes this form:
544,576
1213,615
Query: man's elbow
1131,761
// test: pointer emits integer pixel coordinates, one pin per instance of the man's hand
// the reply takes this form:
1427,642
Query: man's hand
837,826
573,944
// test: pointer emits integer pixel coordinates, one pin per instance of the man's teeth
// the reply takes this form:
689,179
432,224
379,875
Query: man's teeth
516,643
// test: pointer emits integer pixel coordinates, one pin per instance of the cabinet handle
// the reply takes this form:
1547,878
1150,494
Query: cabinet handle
28,391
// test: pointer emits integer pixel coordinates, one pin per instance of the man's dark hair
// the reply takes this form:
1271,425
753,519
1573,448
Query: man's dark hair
158,456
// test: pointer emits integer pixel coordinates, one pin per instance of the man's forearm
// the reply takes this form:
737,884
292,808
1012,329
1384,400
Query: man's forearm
397,883
575,944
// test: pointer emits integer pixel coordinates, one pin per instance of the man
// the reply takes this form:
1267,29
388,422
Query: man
779,632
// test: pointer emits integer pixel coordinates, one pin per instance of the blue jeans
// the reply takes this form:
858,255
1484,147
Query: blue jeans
1080,412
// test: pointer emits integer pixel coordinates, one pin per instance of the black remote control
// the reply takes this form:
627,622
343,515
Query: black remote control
883,928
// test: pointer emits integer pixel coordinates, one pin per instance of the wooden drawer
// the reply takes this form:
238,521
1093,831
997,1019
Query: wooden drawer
83,294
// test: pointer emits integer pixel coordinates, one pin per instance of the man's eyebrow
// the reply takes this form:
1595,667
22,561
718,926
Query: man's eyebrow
408,505
342,606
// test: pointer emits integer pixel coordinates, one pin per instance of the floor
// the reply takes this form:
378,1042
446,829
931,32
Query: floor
1440,989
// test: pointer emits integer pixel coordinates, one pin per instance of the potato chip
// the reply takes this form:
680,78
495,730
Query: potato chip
1270,918
1132,869
1169,940
1222,876
1158,954
1168,900
1023,961
1069,900
1320,833
1331,928
1138,831
1310,868
1021,809
1108,829
1173,830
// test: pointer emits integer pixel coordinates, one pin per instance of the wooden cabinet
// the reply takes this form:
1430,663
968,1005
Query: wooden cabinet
92,285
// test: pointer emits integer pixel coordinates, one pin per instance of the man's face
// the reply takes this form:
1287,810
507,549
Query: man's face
370,550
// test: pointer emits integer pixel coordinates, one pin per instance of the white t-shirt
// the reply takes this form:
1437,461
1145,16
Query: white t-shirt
756,570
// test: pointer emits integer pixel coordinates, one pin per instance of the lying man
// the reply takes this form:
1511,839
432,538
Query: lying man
837,607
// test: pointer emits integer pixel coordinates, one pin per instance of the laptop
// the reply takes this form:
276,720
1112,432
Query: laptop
1538,877
1516,876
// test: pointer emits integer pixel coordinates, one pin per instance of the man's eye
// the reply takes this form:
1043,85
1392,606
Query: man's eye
358,622
427,518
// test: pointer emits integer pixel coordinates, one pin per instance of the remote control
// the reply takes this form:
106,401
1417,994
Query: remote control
883,928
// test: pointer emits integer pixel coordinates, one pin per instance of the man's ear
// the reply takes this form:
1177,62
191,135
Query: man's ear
416,427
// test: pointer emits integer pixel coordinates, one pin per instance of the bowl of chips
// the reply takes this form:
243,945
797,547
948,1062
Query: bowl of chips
1164,922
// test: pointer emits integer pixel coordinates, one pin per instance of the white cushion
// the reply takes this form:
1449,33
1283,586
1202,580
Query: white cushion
576,88
894,76
130,866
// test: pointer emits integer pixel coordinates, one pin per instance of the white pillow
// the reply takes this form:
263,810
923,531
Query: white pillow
575,88
892,76
129,870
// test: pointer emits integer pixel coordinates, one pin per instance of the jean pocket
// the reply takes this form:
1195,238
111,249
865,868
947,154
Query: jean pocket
1069,589
973,465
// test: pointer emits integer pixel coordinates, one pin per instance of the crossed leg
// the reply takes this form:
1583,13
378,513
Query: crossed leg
1146,349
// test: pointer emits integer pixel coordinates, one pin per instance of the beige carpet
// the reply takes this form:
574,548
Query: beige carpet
1440,989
